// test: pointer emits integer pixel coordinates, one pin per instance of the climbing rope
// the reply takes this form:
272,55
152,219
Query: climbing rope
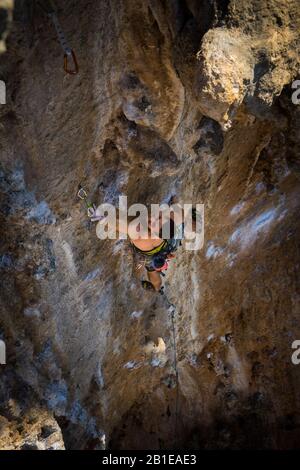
91,211
172,310
48,7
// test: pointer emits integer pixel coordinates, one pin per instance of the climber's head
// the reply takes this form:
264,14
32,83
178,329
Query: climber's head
159,262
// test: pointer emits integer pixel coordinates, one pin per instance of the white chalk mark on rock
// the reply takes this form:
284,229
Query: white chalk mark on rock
69,256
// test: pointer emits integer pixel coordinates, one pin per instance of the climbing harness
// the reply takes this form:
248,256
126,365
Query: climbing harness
172,311
158,258
91,208
49,8
152,252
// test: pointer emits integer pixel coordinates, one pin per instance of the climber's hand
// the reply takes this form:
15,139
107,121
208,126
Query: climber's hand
98,218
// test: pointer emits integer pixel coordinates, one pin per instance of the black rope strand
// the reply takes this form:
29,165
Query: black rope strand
176,377
172,310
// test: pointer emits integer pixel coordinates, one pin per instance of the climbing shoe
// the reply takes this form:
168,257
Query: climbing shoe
147,285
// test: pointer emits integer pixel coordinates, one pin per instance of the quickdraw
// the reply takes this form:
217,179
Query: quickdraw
82,194
66,69
91,208
49,9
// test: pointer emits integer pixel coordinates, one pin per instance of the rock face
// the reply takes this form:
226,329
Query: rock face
175,97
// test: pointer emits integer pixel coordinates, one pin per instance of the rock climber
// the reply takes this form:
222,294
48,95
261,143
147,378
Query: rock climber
154,251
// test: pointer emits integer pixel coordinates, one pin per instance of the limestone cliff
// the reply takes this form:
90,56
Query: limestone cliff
174,97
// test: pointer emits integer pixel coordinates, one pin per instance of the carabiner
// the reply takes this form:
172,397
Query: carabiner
76,68
82,194
91,210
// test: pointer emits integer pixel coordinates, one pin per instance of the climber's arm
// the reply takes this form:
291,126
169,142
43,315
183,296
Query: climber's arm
178,218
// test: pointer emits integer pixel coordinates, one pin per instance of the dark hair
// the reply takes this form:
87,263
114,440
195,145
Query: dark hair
158,261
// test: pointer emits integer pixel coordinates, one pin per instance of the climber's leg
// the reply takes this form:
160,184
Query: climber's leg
155,279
